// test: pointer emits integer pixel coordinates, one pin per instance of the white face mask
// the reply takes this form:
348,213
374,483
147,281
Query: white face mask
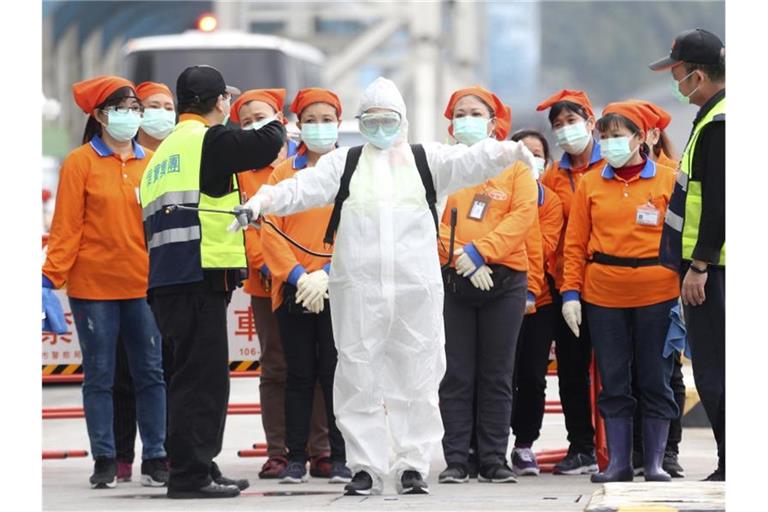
541,164
573,138
158,122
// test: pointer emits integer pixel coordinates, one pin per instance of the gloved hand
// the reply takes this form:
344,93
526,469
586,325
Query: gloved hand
318,306
255,205
53,314
464,264
482,278
572,314
311,288
519,151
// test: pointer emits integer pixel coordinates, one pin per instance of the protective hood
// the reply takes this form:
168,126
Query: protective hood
383,93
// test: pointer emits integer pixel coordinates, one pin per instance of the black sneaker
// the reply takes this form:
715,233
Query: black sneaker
241,483
411,483
154,473
361,485
497,474
576,464
717,476
672,466
212,490
455,473
637,463
104,473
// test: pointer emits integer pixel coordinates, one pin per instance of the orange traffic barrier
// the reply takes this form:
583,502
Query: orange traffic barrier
64,454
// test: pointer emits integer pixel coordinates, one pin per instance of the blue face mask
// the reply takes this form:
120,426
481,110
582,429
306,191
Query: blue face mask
158,122
616,151
469,130
682,98
379,137
123,126
320,137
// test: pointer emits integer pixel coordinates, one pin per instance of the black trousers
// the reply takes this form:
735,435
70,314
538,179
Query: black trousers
310,356
706,335
675,426
533,346
574,356
195,324
124,401
480,347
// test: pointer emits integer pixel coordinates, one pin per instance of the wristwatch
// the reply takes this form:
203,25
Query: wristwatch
699,270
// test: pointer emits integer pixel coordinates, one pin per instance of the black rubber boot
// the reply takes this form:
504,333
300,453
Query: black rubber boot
655,433
618,432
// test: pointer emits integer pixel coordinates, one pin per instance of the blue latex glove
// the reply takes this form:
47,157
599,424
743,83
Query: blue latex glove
265,271
676,335
53,320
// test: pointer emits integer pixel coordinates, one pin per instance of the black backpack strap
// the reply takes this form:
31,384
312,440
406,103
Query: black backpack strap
426,179
353,156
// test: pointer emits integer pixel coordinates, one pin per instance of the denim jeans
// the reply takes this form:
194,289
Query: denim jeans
627,338
98,324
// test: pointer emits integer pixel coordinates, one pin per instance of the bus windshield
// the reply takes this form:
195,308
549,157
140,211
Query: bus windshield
241,67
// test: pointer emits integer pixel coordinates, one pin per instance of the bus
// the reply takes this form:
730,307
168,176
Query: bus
247,61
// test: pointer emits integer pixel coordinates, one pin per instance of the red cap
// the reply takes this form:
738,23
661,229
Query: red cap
501,111
272,97
643,117
146,89
578,97
92,92
310,95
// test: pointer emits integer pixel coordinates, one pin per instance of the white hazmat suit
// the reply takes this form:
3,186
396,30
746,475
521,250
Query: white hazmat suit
386,289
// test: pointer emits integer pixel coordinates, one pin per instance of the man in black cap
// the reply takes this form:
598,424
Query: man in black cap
194,264
693,239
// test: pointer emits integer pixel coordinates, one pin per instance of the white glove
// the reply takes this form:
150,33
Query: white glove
311,288
318,306
519,151
482,278
572,315
256,205
464,264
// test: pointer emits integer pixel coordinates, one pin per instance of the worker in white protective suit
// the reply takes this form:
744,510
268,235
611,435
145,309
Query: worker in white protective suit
385,285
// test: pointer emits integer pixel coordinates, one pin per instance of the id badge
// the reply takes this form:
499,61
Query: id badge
479,207
647,215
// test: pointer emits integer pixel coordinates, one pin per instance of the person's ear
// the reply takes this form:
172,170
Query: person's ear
101,117
492,126
591,124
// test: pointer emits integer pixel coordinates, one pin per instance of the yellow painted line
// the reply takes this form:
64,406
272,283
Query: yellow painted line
243,366
70,369
647,508
49,369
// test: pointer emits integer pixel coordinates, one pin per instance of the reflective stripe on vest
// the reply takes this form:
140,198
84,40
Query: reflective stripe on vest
183,243
692,216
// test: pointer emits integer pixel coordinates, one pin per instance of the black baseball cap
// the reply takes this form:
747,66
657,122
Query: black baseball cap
199,83
696,46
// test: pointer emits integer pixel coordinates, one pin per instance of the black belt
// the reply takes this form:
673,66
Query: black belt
617,261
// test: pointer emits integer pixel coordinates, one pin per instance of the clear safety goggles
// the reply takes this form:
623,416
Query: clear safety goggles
388,122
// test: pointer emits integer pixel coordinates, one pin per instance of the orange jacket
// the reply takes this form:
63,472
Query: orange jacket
551,223
564,180
501,236
250,182
307,228
603,219
96,245
535,251
665,161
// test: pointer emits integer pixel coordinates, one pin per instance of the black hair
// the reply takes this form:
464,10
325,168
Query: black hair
92,126
715,72
612,120
523,134
201,108
568,106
